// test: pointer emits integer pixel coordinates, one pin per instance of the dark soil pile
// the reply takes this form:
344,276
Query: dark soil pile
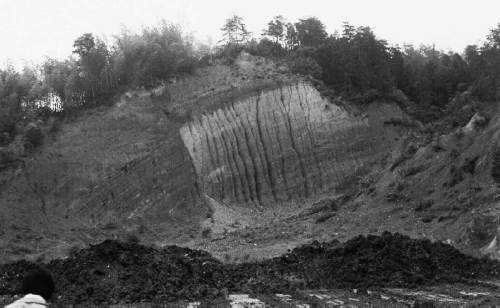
126,272
387,260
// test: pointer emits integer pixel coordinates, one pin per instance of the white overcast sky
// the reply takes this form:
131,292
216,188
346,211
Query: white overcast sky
31,29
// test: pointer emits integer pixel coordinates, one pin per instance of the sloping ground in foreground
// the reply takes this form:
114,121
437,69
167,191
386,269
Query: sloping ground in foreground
113,272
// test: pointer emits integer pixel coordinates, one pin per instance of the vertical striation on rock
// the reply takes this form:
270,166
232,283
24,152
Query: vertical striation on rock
283,144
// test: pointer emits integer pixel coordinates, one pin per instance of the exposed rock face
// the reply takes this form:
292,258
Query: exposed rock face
288,143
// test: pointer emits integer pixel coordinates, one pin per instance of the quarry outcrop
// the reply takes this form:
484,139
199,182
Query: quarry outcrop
283,144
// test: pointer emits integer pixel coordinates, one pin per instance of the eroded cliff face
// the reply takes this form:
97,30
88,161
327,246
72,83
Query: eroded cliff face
279,145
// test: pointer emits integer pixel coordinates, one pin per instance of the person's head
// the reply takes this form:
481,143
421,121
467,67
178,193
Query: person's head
38,282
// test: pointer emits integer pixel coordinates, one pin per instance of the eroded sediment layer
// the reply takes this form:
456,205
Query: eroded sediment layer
279,145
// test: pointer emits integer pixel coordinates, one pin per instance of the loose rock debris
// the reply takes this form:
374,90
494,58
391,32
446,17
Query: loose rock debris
116,272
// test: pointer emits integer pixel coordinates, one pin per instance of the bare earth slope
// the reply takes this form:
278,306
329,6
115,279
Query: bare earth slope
119,171
105,167
246,162
279,145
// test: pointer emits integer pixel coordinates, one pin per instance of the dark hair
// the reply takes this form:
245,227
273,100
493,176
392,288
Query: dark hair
39,282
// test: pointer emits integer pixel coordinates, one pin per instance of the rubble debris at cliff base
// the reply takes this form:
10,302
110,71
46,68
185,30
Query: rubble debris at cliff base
113,271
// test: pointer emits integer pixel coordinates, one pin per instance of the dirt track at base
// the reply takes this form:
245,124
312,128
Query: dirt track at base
113,272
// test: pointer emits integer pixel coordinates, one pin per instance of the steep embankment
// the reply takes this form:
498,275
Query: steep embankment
283,144
118,171
113,171
233,149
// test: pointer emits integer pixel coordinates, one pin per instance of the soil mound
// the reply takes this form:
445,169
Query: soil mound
393,260
113,272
